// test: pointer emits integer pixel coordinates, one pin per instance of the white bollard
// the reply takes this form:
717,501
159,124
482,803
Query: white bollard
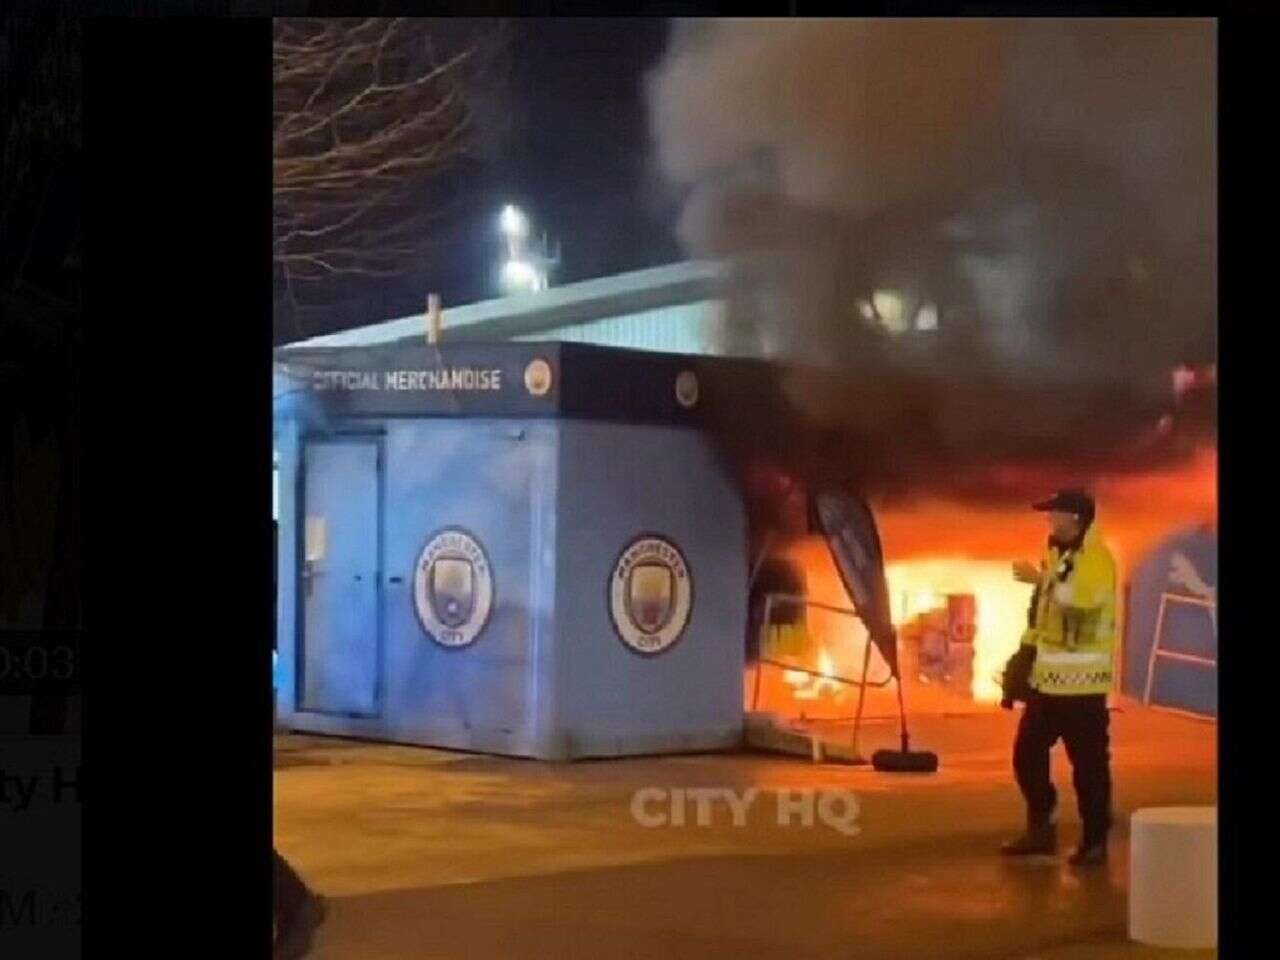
1173,877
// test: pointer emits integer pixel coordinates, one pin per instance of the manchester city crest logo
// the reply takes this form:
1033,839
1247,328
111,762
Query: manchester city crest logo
687,389
537,377
650,595
453,588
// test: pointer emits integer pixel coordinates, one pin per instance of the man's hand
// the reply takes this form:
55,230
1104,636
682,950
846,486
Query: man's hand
1024,571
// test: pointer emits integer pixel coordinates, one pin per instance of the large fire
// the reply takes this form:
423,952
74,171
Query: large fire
936,551
919,587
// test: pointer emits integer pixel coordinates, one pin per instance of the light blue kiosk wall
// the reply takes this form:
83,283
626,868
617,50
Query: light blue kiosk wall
616,484
1172,599
553,500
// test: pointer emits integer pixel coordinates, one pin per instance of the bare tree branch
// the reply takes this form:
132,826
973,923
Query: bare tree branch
365,112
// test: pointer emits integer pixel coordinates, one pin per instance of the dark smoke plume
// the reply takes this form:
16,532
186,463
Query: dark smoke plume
996,238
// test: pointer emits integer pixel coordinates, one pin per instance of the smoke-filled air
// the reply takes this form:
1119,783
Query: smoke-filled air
987,248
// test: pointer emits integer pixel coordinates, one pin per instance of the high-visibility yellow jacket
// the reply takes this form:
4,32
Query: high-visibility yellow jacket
1073,626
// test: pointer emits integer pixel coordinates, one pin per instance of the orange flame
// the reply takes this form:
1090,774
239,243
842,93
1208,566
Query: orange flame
806,686
937,548
917,587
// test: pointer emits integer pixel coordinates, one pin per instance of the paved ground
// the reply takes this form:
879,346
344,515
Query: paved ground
430,854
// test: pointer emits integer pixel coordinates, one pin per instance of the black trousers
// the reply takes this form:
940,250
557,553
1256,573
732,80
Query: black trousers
1082,723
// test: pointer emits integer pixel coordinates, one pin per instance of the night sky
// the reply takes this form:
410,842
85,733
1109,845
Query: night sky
571,148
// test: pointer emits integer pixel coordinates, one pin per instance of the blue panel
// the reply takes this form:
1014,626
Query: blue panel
618,482
287,606
1189,629
1186,686
339,577
491,479
1185,564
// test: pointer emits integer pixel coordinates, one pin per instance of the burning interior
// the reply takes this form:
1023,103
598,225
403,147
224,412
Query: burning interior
958,611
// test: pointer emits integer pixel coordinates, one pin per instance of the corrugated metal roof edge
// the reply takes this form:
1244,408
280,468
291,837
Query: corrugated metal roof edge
504,317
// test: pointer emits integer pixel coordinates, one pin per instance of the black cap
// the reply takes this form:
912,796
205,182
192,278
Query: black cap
1069,501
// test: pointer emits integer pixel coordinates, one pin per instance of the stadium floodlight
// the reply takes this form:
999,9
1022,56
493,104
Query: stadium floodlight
520,275
528,266
513,221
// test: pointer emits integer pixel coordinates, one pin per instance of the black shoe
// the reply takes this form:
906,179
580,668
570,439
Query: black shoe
1040,840
1089,855
296,932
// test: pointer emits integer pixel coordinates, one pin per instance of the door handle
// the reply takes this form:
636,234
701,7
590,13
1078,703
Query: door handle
396,580
309,573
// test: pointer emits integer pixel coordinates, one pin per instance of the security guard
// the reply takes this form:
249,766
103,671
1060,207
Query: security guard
1068,648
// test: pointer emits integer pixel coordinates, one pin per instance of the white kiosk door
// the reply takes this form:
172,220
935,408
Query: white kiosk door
339,577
